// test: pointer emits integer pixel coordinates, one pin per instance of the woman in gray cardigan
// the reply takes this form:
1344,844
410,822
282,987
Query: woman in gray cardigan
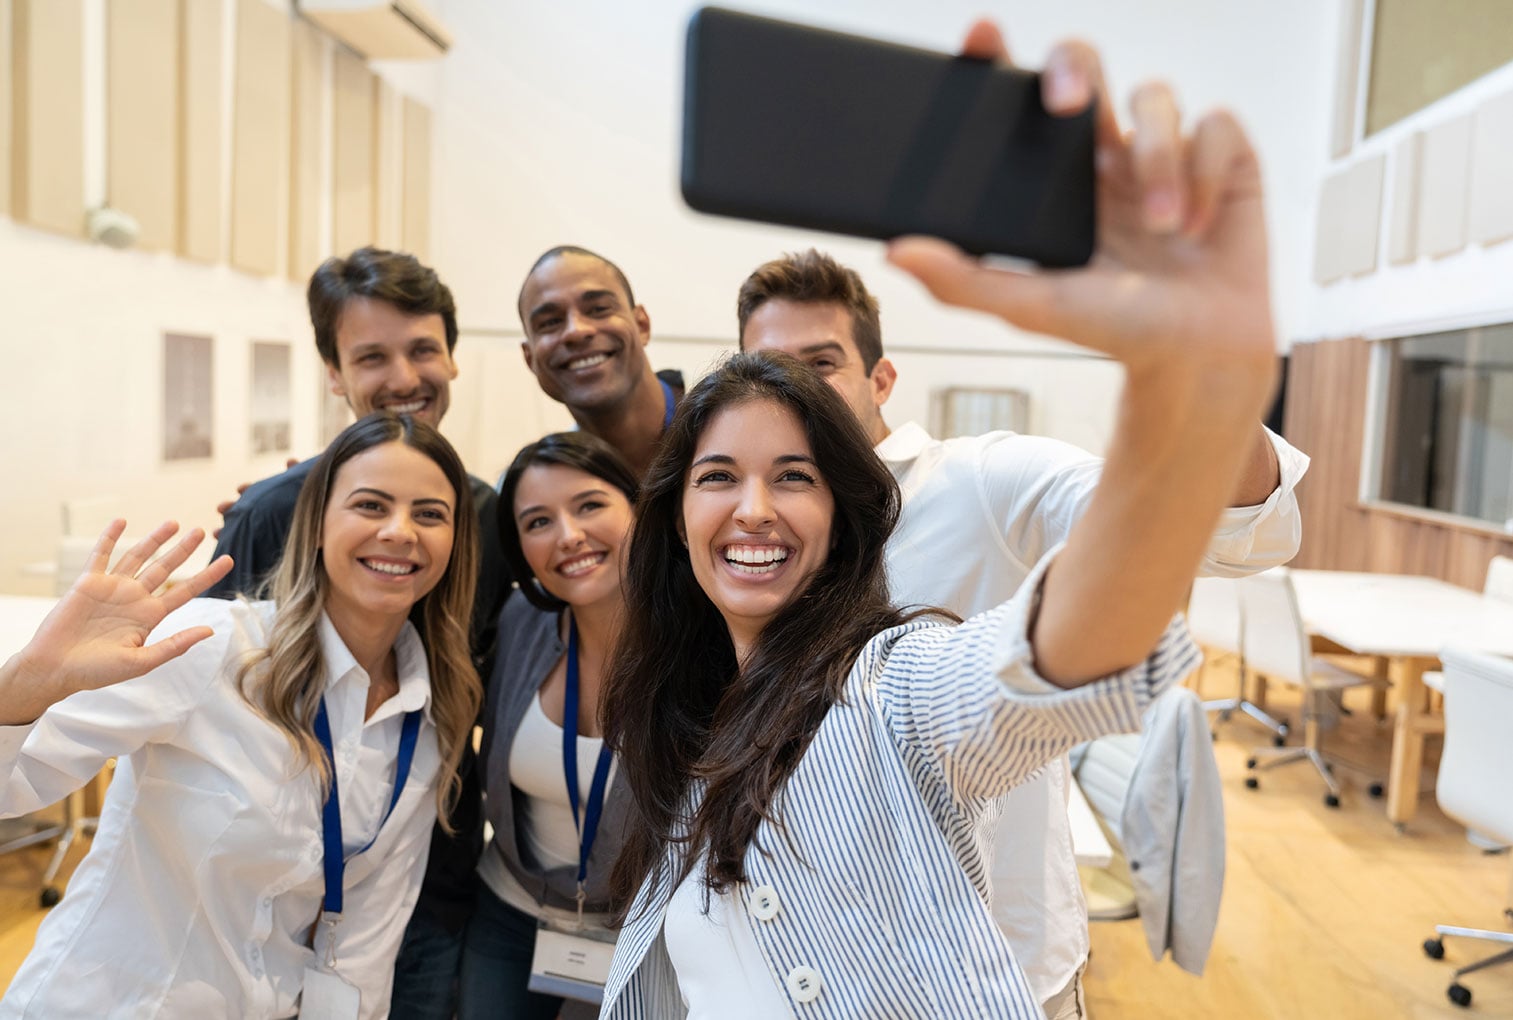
558,818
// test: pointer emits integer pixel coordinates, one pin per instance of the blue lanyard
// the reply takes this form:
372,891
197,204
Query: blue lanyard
336,859
589,826
671,400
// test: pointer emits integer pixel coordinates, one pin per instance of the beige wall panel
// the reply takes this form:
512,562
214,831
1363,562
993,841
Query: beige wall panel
5,108
260,137
48,115
1443,173
1402,217
353,93
305,161
387,200
142,117
1347,75
1363,215
200,200
1492,171
416,220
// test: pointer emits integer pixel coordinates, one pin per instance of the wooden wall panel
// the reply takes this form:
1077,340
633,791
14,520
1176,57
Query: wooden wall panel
415,226
387,155
47,185
353,93
260,137
5,107
1326,411
142,117
309,63
201,236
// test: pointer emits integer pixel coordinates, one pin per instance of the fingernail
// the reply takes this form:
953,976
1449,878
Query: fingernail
1161,210
1067,90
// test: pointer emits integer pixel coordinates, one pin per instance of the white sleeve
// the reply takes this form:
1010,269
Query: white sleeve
46,760
1252,538
1034,490
968,699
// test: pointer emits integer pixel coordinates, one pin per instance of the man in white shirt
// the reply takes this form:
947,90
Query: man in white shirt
979,513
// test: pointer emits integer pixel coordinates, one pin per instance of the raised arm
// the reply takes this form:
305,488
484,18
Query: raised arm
1178,292
97,634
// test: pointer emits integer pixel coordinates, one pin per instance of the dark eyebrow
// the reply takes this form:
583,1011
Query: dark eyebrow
545,306
430,501
588,295
725,458
376,492
576,496
823,348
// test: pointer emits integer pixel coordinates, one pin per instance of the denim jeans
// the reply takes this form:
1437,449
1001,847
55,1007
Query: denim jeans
496,965
425,973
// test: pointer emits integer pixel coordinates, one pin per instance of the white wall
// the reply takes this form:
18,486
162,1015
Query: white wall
558,123
1470,287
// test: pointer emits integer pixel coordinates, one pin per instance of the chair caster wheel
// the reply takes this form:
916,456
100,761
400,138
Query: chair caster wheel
1280,740
1400,828
1330,800
1459,994
1434,949
1252,783
50,897
1376,790
1250,763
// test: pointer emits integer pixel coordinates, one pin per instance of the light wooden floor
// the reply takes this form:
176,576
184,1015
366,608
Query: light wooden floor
1323,914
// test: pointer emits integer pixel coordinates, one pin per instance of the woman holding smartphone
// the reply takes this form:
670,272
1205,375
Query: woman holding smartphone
558,817
813,771
262,842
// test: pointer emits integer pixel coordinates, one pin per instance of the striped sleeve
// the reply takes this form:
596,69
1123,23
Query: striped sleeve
967,703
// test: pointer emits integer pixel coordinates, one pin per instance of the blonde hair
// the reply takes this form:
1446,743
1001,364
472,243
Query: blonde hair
285,679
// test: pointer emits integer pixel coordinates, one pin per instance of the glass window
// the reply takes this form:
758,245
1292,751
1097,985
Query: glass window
1448,428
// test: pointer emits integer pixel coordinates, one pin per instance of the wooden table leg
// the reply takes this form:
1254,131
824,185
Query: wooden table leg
1408,734
1379,692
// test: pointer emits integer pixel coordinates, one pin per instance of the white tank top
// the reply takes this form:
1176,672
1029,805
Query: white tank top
545,821
722,974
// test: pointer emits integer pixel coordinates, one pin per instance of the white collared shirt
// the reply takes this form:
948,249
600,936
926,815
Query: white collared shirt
979,513
198,894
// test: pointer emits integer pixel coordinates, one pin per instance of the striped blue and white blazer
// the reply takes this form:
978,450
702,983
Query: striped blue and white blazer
873,901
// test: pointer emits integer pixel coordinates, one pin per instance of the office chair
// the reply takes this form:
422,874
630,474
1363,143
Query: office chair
1472,785
1275,644
1215,620
1499,584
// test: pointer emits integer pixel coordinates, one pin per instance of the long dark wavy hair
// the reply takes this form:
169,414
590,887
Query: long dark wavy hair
677,707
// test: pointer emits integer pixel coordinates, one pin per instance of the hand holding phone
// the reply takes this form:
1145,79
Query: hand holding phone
812,128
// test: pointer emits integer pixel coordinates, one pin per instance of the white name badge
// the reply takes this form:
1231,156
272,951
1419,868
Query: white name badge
571,963
327,997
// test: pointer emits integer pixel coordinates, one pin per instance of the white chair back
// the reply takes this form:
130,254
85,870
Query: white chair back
1213,613
1478,756
1273,641
1499,579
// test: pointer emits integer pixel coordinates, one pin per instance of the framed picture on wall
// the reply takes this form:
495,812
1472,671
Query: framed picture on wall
269,405
188,397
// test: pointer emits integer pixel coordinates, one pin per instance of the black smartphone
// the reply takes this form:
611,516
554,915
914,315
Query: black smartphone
806,127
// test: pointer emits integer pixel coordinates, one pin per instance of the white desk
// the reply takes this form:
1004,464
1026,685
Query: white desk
1405,620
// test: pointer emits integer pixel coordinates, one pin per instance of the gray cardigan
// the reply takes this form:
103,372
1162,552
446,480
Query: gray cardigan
529,645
